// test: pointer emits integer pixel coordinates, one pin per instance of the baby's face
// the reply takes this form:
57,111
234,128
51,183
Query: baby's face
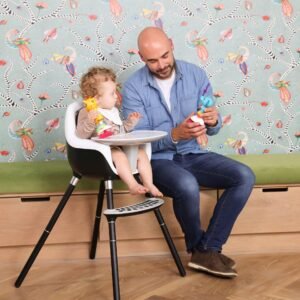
108,95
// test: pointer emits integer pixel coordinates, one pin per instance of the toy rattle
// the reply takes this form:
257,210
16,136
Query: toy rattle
102,129
203,103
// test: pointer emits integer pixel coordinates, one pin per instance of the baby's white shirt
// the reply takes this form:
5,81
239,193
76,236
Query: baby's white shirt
112,115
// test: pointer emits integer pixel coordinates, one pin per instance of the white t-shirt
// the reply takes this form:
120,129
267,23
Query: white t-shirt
165,86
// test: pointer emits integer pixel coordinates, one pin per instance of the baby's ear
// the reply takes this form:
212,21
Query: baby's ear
119,95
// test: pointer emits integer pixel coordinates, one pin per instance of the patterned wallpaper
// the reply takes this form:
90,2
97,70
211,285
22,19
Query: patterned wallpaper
250,50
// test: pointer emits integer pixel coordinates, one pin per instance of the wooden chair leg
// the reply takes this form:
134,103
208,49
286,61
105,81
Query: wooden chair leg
169,240
47,231
97,220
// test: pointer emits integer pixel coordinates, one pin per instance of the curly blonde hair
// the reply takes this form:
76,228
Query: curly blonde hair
90,81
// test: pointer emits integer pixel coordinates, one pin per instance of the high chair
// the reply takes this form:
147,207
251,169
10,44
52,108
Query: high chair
89,158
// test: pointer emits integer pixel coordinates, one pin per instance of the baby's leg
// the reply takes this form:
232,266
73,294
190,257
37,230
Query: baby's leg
122,165
145,170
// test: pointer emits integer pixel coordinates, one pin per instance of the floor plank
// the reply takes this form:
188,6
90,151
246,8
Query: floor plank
261,277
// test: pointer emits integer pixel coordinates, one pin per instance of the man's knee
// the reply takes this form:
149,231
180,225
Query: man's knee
187,186
246,175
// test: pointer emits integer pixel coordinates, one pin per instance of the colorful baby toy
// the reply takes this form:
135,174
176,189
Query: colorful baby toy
102,128
203,103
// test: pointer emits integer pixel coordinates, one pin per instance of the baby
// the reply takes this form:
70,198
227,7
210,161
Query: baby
100,84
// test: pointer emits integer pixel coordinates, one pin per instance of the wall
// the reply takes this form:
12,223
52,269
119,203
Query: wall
250,50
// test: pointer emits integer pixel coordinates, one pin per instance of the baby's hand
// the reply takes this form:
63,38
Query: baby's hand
92,115
134,116
132,119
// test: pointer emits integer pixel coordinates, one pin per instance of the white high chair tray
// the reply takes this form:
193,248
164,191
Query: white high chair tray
132,138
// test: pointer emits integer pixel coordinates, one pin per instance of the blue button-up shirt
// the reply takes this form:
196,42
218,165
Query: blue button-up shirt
142,94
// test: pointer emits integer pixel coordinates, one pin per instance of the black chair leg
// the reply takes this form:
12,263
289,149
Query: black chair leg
97,220
114,256
169,240
47,231
112,241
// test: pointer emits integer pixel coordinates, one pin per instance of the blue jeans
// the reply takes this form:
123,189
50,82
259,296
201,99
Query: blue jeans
180,179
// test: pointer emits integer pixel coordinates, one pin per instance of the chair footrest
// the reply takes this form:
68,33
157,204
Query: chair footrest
134,209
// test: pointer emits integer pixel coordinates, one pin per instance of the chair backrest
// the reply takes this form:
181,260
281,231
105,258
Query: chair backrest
86,156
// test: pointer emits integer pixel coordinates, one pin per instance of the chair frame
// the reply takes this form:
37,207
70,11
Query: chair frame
82,168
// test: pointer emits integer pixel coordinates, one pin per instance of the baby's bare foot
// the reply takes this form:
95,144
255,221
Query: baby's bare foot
155,191
137,189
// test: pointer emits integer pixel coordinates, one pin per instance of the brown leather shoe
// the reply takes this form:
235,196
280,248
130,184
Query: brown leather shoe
211,262
228,261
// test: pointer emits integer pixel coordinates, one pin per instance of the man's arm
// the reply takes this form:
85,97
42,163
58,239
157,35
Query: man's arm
187,130
210,116
132,101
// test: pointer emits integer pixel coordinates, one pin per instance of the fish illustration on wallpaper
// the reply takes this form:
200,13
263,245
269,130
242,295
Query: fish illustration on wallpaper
60,147
277,83
155,14
248,4
52,124
17,131
199,43
66,59
226,120
20,43
226,35
239,143
115,7
50,34
73,4
27,141
287,8
240,58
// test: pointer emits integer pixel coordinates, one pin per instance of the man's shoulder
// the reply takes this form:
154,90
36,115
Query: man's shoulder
139,75
184,66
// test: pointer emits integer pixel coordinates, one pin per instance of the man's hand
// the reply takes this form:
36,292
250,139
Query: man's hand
210,116
187,130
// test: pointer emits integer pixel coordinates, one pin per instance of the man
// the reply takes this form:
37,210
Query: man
165,91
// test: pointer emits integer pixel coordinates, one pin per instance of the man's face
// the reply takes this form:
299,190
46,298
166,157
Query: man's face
159,59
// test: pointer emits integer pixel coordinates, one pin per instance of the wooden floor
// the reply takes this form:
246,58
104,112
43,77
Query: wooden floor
262,277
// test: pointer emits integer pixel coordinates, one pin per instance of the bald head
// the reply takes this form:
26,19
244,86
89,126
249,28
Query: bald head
156,50
152,37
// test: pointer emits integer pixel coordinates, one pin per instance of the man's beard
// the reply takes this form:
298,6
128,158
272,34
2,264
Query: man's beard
160,73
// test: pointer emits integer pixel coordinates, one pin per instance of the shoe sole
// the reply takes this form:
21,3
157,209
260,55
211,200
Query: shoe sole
220,274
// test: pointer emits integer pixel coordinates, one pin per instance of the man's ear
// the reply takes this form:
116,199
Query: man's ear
141,56
171,43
